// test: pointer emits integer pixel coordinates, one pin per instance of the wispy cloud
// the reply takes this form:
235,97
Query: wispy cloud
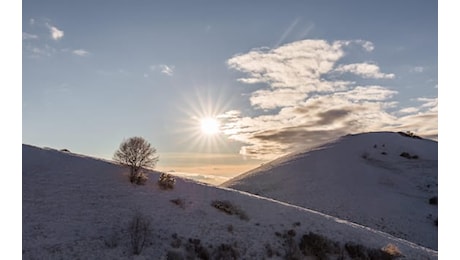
305,102
56,34
38,51
365,70
417,69
367,45
42,37
80,52
163,68
28,36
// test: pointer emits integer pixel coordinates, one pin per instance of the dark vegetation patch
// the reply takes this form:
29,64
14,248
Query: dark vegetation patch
315,246
433,200
408,156
226,252
193,248
409,134
139,178
179,202
140,231
319,246
288,244
166,181
229,208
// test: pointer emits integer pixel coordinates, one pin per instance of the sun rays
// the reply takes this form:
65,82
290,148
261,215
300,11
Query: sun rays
203,124
209,126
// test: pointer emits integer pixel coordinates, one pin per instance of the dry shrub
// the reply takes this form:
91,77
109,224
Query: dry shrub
139,230
166,181
392,250
319,246
229,208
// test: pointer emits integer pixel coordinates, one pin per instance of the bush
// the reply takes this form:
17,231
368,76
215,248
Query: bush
433,200
319,246
180,203
173,255
229,208
166,181
139,178
356,251
392,250
409,134
139,231
408,156
225,252
195,250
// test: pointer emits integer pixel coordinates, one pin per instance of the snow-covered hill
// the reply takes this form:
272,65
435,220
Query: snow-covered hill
77,207
382,180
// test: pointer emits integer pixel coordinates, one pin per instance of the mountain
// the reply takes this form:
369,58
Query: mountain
383,180
78,207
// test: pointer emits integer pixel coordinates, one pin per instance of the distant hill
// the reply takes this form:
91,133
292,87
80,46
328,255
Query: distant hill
78,207
382,180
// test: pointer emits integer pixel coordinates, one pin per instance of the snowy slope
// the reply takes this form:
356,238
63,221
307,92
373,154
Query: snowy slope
77,207
361,178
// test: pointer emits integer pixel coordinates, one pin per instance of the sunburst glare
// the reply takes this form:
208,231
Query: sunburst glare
203,125
210,126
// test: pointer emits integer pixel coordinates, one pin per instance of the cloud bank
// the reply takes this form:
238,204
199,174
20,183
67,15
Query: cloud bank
305,102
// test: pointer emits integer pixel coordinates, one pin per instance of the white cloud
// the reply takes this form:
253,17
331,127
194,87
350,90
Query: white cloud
80,52
368,93
418,69
367,45
292,71
408,110
38,51
298,64
28,36
429,103
306,102
365,70
266,99
319,118
56,34
163,68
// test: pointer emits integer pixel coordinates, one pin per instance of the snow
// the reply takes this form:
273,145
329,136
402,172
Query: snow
78,207
361,178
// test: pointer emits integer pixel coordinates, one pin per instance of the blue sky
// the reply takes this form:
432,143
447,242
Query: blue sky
278,76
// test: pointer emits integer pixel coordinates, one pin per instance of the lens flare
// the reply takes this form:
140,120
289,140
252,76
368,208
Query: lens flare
209,126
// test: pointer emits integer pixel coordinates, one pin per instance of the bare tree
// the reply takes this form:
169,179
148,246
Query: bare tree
136,153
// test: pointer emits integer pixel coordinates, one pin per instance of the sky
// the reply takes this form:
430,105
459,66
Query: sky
273,77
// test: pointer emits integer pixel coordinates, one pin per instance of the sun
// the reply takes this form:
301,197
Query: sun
209,126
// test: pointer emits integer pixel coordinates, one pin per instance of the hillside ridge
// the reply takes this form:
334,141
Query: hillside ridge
383,180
